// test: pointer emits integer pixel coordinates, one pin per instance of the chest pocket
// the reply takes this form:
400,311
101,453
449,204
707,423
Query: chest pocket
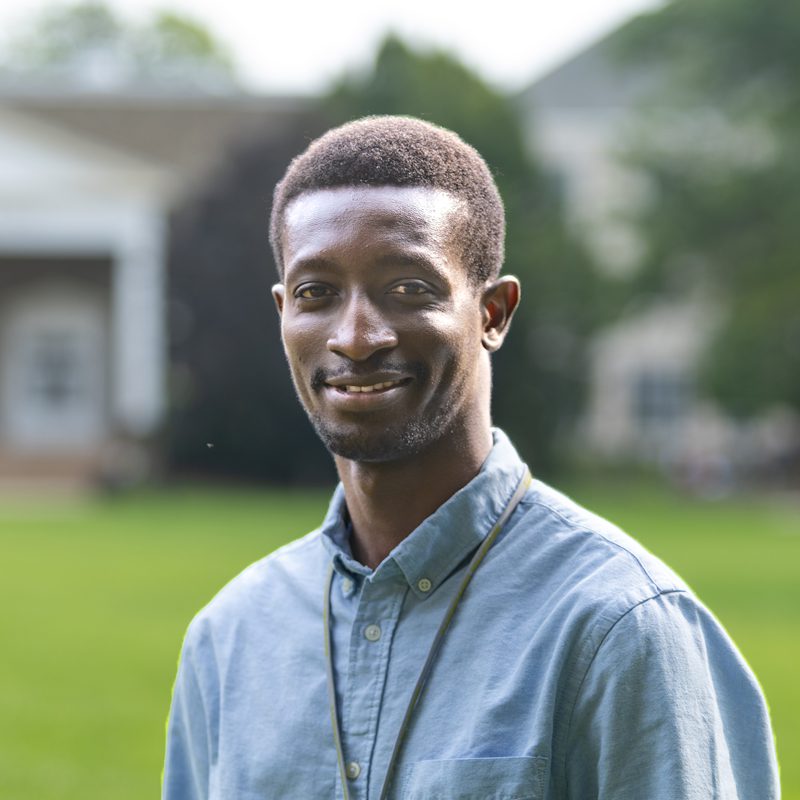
475,779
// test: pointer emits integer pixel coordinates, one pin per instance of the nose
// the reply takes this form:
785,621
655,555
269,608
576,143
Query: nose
362,330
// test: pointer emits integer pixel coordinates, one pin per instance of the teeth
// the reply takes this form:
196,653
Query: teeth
373,388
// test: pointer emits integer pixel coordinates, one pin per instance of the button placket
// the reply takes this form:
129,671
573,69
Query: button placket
377,613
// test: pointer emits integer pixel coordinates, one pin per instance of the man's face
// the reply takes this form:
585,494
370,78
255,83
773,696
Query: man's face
380,322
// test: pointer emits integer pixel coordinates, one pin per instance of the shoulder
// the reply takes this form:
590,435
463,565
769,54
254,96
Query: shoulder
627,597
650,673
593,583
585,560
668,697
292,573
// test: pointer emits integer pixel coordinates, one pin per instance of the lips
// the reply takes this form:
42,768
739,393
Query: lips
357,378
367,387
350,392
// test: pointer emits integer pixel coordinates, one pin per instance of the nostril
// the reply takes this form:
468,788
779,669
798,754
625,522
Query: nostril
360,346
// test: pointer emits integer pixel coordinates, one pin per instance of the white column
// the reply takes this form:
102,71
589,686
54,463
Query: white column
138,325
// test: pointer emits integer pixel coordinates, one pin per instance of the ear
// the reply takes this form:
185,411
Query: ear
278,295
499,300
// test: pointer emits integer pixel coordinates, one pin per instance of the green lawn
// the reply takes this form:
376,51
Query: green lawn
96,596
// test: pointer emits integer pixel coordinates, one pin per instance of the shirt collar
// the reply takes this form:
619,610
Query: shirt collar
436,547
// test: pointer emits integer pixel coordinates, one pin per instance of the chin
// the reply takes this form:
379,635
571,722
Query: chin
391,443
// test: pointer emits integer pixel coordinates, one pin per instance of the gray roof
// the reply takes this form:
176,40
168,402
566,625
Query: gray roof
184,134
596,77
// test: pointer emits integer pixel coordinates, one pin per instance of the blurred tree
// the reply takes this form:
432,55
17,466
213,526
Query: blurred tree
539,374
88,43
234,411
724,165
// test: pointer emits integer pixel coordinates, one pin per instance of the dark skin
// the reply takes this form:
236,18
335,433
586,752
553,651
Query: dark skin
388,341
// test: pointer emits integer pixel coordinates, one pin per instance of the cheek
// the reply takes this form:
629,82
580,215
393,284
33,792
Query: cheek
300,342
456,348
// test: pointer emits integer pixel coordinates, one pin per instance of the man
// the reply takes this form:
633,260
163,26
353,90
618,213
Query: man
454,629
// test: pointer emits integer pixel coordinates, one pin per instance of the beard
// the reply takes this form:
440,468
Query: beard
371,441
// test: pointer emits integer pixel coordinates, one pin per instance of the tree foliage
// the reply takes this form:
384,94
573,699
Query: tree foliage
726,182
88,42
234,411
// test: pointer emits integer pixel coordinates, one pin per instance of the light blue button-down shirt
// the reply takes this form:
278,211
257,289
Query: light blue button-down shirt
577,666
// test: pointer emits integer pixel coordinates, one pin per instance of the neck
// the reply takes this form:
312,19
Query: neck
387,501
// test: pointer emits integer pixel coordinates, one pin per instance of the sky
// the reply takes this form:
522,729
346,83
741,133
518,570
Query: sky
298,47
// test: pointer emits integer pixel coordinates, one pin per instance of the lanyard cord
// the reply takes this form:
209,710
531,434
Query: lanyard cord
432,652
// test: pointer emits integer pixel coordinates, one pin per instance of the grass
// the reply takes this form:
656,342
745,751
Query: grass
96,596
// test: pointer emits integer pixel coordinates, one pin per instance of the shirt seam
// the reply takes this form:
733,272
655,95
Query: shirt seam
587,529
306,540
207,612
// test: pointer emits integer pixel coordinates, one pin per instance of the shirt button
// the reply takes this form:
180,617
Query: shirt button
347,586
424,585
352,770
372,632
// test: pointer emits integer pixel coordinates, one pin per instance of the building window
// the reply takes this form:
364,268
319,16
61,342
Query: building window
54,371
660,399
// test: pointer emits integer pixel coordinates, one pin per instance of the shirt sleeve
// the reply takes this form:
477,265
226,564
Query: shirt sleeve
188,751
669,710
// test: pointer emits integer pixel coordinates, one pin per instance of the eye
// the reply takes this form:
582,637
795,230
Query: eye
410,288
313,291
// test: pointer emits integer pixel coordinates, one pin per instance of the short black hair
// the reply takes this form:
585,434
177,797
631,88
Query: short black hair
401,151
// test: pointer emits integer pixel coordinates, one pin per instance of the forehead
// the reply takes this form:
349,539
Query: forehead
404,216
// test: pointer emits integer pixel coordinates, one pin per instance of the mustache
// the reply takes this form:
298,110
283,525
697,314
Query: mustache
364,369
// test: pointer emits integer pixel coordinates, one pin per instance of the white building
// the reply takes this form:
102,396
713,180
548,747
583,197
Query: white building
642,404
86,186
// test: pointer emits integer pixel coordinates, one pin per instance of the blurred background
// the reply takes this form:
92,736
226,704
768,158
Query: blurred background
150,442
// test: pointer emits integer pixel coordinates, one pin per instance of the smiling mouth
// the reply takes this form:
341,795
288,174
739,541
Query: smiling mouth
369,388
